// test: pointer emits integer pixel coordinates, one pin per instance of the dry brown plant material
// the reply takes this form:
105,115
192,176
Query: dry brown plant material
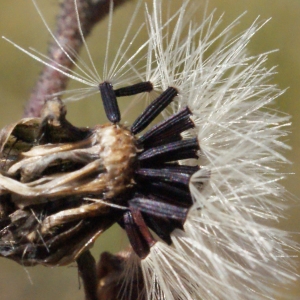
50,170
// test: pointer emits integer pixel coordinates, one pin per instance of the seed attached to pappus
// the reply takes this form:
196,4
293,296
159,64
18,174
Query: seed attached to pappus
61,186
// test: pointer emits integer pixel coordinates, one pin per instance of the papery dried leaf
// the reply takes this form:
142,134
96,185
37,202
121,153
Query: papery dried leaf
16,138
45,218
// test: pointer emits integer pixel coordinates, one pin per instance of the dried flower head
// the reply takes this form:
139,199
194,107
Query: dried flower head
197,194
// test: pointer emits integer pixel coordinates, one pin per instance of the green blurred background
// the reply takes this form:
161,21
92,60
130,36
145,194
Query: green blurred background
20,22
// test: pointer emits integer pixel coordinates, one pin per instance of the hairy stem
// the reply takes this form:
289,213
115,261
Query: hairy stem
87,271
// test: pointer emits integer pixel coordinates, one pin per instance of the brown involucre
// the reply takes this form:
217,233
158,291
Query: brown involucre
61,186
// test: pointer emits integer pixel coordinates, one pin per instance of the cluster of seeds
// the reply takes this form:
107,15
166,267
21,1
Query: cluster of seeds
62,185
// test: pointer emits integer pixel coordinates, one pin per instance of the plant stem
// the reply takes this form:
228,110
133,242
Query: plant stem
87,271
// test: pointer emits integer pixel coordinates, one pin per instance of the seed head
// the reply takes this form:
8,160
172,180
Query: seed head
197,194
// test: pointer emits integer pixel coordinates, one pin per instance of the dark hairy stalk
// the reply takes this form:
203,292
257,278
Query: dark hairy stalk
51,81
87,271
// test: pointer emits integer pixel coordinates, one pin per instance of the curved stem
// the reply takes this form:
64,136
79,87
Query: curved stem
87,271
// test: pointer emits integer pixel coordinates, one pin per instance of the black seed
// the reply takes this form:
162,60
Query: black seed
134,89
182,168
136,235
163,174
170,193
162,141
159,209
171,152
174,125
110,102
154,109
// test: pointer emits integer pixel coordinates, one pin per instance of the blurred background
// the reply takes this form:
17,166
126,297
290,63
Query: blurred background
20,22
